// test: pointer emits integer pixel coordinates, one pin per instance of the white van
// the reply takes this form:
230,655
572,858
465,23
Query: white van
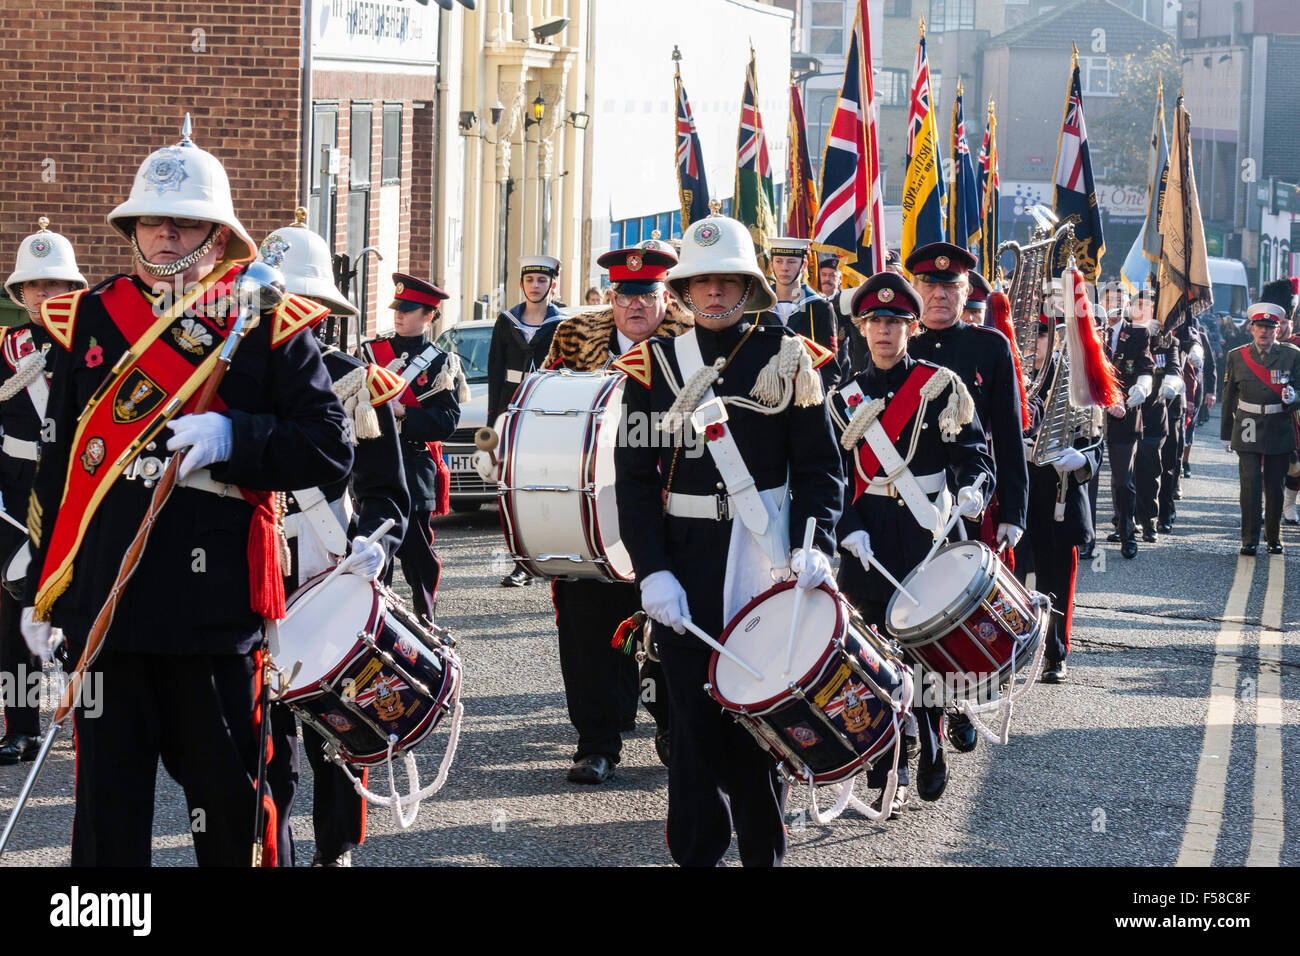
1231,291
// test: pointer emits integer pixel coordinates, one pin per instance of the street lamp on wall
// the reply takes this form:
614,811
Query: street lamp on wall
468,118
537,112
579,120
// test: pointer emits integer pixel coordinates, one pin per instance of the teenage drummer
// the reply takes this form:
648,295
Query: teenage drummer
901,422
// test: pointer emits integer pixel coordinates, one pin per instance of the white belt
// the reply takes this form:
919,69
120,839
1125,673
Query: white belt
709,507
327,519
930,484
17,448
150,469
1243,406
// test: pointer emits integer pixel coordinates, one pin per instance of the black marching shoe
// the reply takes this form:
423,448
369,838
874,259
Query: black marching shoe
16,747
1088,553
1248,550
343,859
1055,672
1187,471
961,733
1149,534
1275,547
661,745
1114,537
899,801
518,578
593,768
1165,527
1129,548
931,778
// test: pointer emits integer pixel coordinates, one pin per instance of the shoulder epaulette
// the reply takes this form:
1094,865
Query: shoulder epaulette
820,354
292,315
59,315
384,384
636,363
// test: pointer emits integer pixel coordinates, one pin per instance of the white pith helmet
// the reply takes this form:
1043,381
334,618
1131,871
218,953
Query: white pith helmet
43,255
304,260
186,182
718,244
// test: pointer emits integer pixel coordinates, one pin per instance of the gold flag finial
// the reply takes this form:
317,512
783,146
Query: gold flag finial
1074,54
677,54
922,24
959,88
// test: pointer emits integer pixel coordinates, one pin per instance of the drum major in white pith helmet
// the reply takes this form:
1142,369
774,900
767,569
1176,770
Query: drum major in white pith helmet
305,261
719,245
43,255
183,181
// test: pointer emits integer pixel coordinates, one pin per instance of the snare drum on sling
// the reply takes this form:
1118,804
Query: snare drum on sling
558,509
843,711
370,670
976,625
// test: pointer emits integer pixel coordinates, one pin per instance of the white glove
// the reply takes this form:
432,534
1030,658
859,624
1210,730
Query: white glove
1171,386
664,601
1227,445
208,438
40,637
858,544
482,462
1140,391
1288,395
970,502
1010,533
1071,459
1196,357
366,560
812,567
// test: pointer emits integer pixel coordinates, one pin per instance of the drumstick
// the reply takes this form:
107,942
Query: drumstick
379,532
892,580
809,530
690,626
952,523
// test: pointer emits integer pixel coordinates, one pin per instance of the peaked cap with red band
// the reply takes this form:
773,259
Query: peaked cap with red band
643,268
886,293
979,291
940,262
410,293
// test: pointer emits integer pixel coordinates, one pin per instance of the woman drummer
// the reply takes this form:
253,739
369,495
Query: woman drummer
896,503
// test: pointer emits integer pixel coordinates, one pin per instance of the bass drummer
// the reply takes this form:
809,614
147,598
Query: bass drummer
318,522
901,424
601,683
46,266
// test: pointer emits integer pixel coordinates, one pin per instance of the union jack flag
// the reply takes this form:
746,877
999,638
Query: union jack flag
692,185
1074,198
752,149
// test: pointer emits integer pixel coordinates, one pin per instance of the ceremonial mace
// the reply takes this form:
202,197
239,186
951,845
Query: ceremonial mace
261,284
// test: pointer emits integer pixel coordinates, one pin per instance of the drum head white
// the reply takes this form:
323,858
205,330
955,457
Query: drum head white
16,569
942,587
761,636
323,633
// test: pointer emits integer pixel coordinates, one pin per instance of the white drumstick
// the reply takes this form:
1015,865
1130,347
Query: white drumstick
739,662
952,523
892,580
379,532
799,593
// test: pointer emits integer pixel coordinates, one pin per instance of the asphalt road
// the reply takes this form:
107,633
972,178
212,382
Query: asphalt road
1168,745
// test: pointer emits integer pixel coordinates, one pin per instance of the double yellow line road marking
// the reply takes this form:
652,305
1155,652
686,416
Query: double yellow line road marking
1205,815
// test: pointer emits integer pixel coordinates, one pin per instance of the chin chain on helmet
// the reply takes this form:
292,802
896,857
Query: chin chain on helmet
165,269
690,304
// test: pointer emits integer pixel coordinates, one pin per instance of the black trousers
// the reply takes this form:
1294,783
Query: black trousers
600,683
1149,468
1171,461
718,776
196,713
1055,570
338,811
1261,474
420,564
21,716
1122,456
1094,483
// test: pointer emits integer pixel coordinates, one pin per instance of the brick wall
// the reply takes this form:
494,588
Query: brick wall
91,87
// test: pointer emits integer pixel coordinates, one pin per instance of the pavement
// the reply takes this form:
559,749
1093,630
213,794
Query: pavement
1168,745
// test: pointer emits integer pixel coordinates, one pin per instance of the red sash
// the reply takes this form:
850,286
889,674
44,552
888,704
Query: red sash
382,351
177,353
1261,373
897,414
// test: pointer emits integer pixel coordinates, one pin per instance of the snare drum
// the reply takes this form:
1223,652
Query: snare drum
558,510
976,625
15,571
370,669
837,715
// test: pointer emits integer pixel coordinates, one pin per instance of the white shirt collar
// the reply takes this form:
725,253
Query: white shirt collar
624,343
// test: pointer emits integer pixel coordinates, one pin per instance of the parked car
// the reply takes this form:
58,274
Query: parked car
471,341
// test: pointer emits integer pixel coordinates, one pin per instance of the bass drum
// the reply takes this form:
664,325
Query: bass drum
558,509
